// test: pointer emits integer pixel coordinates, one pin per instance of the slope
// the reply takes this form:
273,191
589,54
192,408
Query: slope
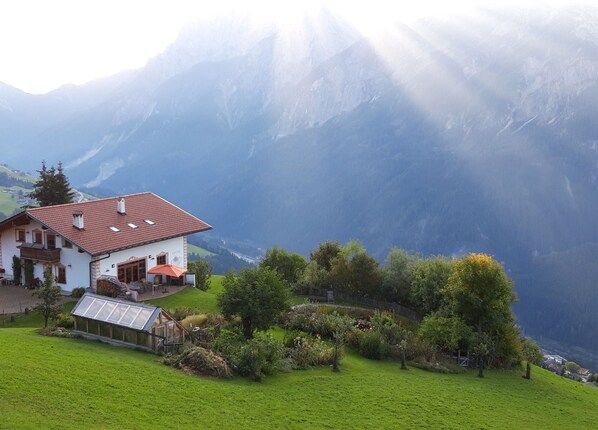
131,389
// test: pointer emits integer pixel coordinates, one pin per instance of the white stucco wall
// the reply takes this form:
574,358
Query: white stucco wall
77,268
172,247
77,263
9,248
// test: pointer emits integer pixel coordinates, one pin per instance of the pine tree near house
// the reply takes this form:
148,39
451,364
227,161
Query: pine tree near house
52,187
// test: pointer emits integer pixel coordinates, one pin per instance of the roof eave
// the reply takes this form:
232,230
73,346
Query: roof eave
58,233
106,251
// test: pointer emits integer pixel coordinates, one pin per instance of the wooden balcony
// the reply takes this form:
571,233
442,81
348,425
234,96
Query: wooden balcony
35,251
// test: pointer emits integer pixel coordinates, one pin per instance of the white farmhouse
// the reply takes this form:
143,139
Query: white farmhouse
122,237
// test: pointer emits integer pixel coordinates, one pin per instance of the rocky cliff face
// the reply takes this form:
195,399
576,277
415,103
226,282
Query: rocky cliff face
477,134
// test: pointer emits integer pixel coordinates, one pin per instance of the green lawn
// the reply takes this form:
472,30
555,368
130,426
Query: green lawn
32,319
8,203
54,383
203,301
71,383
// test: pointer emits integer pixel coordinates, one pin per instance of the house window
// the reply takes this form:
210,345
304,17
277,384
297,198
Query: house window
20,235
132,271
61,275
50,240
66,243
161,259
37,236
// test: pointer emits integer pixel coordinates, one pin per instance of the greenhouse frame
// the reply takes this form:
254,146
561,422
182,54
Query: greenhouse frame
125,323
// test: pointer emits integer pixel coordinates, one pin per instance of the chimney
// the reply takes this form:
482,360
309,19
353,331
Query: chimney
120,206
78,220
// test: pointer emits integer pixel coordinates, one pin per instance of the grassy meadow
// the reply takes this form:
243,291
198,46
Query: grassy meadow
61,383
202,301
49,382
199,252
8,203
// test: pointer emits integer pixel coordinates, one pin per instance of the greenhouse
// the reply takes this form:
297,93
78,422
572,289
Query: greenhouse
126,323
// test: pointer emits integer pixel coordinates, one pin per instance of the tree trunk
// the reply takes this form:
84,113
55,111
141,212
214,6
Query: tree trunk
480,367
335,360
247,330
528,371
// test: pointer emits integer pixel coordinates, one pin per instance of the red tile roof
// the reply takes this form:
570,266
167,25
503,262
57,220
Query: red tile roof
97,237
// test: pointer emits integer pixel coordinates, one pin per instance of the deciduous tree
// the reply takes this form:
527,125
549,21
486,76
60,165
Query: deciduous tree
532,354
257,296
481,294
428,278
572,366
396,283
289,265
354,272
203,272
49,294
325,254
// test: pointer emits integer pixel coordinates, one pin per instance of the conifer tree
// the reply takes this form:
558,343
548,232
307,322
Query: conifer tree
52,187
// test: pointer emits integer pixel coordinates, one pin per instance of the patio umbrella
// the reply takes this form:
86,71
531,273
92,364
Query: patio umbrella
168,270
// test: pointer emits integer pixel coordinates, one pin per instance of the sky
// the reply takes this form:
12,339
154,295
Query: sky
45,44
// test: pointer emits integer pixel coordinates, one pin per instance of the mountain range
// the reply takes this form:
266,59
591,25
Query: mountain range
477,133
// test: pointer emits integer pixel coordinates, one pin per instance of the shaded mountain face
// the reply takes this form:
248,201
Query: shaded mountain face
446,137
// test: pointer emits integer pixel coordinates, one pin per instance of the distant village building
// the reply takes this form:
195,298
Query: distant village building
555,358
122,237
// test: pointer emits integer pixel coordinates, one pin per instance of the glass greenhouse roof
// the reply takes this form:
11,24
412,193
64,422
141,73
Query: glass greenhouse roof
123,313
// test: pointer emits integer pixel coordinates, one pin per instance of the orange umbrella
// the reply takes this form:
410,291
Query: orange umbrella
168,270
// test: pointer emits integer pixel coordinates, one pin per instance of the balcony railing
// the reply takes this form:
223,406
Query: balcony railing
35,251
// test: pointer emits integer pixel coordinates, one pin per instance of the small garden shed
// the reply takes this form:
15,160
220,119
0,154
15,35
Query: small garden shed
127,323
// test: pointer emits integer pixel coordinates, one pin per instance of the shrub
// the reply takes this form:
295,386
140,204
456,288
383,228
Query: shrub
438,366
306,353
259,357
54,332
301,318
216,319
353,337
353,312
418,349
385,324
202,361
199,320
77,293
203,272
308,319
372,345
181,313
65,320
228,343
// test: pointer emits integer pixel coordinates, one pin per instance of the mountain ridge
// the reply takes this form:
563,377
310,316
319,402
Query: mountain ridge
444,138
